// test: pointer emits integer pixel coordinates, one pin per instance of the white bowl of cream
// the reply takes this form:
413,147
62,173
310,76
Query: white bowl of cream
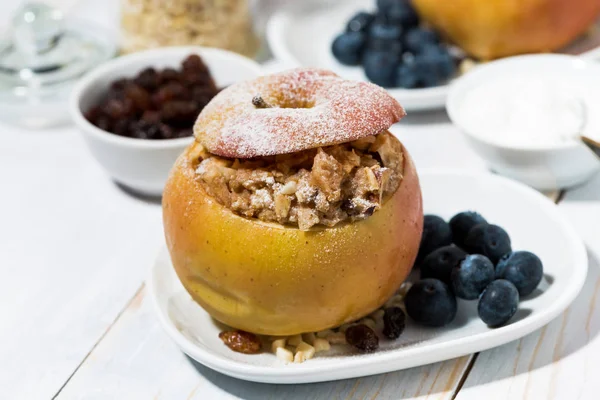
524,114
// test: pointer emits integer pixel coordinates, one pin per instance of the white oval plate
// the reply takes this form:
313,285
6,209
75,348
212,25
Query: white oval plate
302,36
533,222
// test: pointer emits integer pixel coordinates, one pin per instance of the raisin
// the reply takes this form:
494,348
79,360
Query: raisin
139,96
394,321
121,127
119,85
171,91
92,114
202,95
179,112
151,116
146,130
241,342
362,337
193,62
103,123
168,75
148,79
195,78
166,131
116,109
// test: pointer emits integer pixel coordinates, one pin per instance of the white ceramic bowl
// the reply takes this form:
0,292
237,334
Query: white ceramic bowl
144,165
545,167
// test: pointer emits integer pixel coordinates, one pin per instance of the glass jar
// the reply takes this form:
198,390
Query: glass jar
226,24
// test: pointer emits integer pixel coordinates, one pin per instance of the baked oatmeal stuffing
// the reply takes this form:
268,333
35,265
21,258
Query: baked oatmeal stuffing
324,186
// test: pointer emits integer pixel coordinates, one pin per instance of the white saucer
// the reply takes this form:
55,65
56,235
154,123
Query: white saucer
534,224
303,37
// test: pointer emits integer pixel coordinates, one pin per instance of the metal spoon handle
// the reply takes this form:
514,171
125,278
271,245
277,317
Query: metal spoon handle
592,144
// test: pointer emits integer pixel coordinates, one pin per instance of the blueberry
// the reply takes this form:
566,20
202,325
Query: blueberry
417,39
399,12
434,65
427,71
462,223
436,234
384,5
439,263
440,56
488,240
347,48
360,22
380,67
471,276
523,269
430,302
407,76
385,37
498,303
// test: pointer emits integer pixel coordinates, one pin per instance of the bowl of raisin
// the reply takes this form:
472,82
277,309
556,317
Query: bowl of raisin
136,112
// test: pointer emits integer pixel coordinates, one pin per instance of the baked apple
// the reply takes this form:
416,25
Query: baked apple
488,29
295,210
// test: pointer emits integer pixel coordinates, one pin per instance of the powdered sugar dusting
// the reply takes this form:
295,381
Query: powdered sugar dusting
311,108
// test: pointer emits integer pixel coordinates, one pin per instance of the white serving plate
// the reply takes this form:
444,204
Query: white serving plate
302,36
533,222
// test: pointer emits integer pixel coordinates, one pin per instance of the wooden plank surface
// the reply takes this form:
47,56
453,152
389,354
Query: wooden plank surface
74,249
561,360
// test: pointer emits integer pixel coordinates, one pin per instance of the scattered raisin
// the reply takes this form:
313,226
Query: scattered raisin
240,341
362,337
394,321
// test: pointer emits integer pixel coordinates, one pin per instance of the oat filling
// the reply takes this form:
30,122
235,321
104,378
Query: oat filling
323,186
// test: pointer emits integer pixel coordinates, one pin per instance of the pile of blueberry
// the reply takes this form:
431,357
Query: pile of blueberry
470,259
393,49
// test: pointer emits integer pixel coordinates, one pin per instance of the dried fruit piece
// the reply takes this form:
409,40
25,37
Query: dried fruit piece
138,95
241,342
148,79
394,321
362,337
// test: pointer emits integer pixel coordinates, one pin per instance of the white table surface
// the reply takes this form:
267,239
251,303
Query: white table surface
76,323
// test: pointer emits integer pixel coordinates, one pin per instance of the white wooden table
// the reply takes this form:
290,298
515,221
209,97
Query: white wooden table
76,323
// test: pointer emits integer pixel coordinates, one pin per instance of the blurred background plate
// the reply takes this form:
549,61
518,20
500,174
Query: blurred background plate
302,36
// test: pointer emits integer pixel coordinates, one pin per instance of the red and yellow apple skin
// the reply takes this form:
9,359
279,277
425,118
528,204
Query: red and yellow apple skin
489,29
